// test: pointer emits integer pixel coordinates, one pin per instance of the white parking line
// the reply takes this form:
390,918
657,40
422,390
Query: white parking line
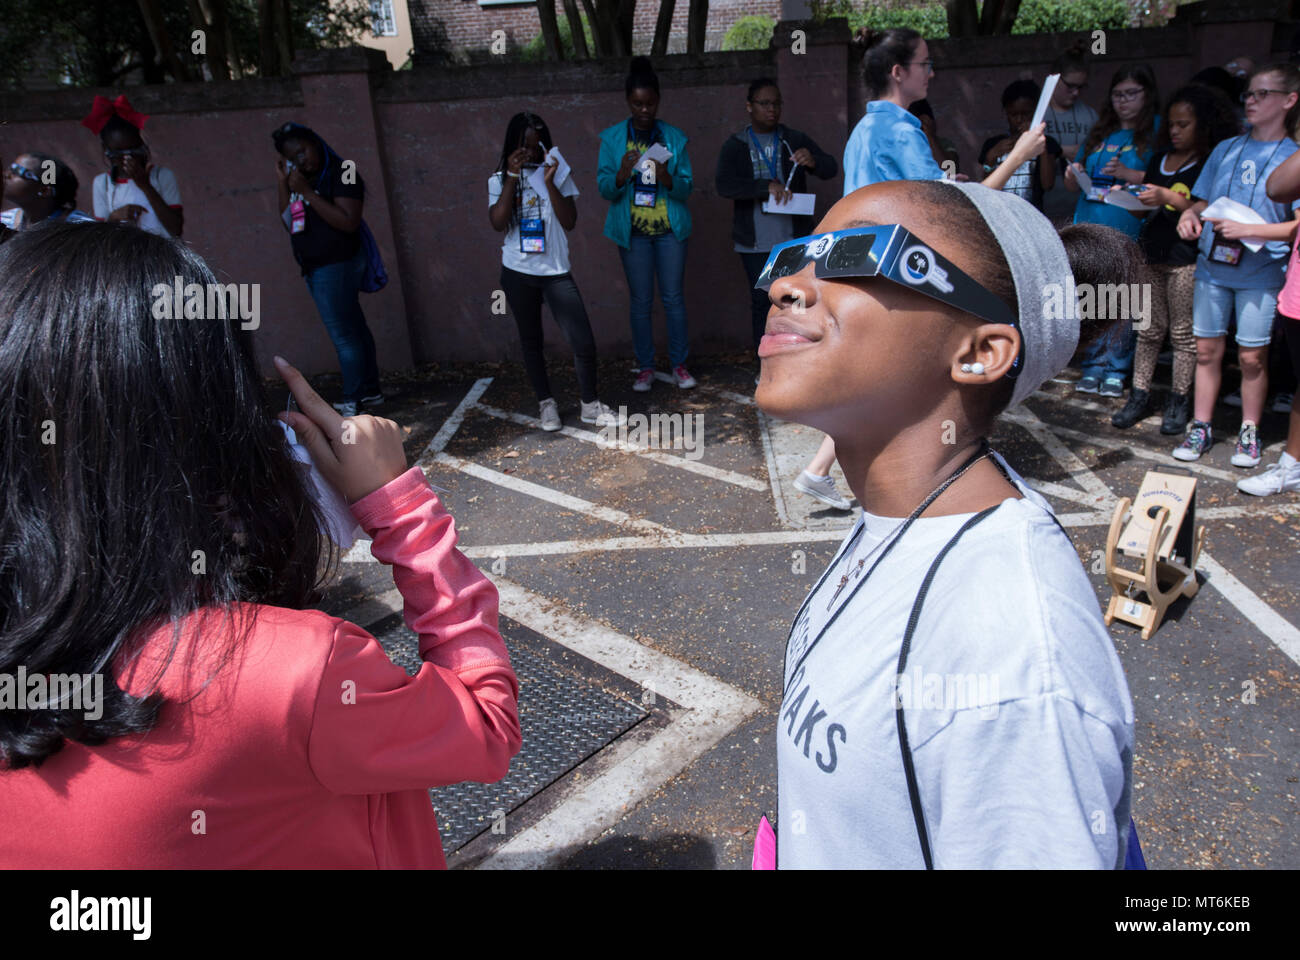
1079,471
712,710
563,500
725,394
452,423
1269,622
658,456
1139,451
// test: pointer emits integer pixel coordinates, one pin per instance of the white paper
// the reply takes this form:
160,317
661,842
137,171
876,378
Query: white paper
1085,181
1049,87
1226,208
340,525
799,204
537,179
1122,198
657,152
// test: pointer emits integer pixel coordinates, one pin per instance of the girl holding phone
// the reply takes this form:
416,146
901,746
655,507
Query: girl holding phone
133,190
535,262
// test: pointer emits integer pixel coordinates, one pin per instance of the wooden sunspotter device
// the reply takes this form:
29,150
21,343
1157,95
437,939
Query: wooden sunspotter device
1159,534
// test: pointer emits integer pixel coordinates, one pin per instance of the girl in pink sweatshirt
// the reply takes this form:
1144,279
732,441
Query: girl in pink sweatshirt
167,697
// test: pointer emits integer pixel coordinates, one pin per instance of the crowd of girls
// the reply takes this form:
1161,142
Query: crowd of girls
295,732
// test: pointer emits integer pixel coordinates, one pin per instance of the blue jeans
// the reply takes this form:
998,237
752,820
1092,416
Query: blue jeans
642,259
1111,357
336,289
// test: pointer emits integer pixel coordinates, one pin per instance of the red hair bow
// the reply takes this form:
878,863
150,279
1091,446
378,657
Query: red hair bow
103,109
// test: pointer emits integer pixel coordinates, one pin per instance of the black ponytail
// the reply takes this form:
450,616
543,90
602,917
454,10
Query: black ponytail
885,49
641,76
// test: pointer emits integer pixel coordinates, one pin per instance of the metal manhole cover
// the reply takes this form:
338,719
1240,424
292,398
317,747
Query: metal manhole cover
563,721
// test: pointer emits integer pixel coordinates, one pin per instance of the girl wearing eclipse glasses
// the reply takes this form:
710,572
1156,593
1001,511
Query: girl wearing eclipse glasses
902,329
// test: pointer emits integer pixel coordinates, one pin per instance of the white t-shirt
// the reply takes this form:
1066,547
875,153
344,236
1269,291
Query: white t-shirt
555,260
109,195
1018,714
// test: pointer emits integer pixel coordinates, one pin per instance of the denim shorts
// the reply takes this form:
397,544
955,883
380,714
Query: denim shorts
1213,305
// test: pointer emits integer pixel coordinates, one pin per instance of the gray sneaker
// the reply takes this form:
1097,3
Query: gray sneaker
601,415
822,488
550,415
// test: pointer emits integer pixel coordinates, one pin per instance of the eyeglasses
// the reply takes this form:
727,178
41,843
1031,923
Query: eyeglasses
766,104
1260,94
1074,87
1126,96
890,251
23,172
928,64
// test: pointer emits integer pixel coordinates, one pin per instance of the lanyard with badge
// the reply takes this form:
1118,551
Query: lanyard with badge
1097,192
1229,252
532,229
769,156
645,191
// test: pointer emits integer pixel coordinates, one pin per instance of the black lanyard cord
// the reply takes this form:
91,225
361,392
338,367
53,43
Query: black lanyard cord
979,454
909,770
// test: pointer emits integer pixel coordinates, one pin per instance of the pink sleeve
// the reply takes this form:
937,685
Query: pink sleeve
378,730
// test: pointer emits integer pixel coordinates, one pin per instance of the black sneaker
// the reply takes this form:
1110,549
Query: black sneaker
373,400
1133,411
1178,410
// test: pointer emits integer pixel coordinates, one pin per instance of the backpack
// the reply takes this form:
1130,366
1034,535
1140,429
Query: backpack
376,277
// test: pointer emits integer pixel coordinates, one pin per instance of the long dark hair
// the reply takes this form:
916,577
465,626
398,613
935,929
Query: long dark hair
131,442
1108,120
516,129
65,182
1215,118
886,49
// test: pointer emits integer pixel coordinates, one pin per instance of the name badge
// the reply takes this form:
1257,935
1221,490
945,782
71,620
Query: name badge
1098,194
532,235
1226,252
644,196
297,216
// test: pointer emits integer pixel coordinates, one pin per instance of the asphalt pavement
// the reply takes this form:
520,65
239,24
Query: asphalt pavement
646,596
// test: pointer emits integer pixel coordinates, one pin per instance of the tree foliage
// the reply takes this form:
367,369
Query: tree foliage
110,42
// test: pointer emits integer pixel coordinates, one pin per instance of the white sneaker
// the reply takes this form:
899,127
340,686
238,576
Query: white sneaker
823,488
550,416
1278,478
601,415
348,408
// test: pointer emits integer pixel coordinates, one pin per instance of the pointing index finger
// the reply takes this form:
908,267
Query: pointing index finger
310,402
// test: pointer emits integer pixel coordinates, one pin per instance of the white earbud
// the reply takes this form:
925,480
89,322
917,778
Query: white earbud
965,368
977,368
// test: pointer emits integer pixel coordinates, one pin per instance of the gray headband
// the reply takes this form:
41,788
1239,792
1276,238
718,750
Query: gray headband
1038,265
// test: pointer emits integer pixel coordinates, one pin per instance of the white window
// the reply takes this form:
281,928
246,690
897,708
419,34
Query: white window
385,24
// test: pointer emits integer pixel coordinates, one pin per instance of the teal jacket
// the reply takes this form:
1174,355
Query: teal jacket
618,222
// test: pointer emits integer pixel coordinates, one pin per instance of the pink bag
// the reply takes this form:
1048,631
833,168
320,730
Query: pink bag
764,847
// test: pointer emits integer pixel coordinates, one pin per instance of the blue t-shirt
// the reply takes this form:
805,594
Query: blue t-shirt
1118,144
1238,169
887,144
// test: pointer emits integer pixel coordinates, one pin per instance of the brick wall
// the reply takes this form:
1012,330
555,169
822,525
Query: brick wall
469,25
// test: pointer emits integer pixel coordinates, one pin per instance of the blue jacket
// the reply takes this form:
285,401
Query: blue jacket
887,144
618,222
